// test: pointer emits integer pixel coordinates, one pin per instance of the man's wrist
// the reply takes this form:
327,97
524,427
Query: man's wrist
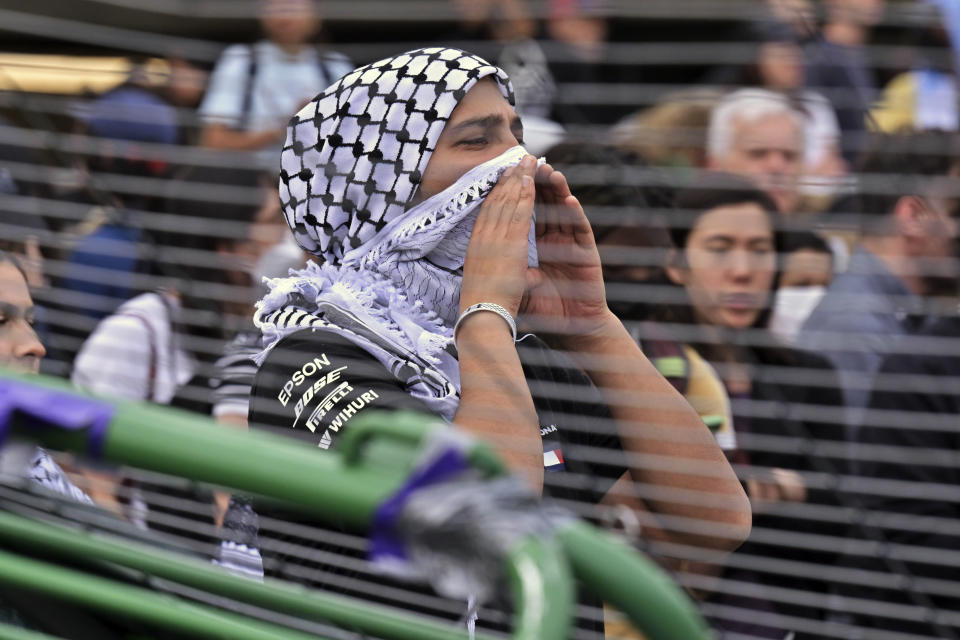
480,328
487,307
586,335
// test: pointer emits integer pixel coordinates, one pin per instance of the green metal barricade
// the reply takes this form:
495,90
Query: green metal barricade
355,483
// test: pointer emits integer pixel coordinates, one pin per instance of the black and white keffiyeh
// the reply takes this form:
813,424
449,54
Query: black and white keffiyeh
388,276
355,155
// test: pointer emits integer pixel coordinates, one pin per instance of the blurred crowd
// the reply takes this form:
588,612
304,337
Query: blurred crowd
781,239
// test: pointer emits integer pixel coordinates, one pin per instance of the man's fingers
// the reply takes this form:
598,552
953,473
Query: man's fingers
490,209
582,231
511,200
549,214
520,210
564,218
524,209
544,188
540,178
502,198
560,187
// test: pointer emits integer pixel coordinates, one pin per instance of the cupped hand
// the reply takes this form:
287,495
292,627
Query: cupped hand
495,266
565,294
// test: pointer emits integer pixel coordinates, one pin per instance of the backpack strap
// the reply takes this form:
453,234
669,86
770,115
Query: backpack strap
248,89
152,341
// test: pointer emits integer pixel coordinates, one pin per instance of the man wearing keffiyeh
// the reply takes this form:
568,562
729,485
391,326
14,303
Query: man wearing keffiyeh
408,181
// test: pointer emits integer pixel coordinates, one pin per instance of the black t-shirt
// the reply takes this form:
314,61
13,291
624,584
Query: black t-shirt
914,411
313,384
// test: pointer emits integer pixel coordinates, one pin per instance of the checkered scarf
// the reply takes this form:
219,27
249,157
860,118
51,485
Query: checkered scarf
388,277
355,155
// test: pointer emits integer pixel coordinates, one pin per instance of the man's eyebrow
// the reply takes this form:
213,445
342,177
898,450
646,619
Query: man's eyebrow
486,122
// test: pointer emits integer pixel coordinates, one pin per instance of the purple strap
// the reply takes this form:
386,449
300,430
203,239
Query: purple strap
386,543
37,407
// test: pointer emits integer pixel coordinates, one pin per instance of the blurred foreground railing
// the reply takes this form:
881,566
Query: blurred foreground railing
356,482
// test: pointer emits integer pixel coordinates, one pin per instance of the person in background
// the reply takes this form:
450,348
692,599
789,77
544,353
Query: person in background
950,11
837,66
21,352
799,15
104,256
912,433
162,93
925,95
153,344
578,50
882,306
723,269
139,109
631,240
104,264
759,134
506,31
184,87
159,346
907,251
780,66
806,270
20,349
671,133
26,237
254,89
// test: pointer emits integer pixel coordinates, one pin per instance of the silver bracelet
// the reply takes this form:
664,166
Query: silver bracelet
487,306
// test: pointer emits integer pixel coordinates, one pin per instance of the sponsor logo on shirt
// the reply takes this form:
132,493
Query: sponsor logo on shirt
327,404
355,405
307,370
546,430
344,416
314,389
325,440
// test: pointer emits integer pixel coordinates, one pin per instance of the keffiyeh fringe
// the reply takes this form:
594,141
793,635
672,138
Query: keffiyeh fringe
367,295
371,313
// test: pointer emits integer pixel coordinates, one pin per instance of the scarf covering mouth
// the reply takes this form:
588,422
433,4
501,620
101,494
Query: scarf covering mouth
388,277
396,303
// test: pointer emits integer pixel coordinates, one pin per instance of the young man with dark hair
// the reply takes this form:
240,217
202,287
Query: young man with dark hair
908,209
